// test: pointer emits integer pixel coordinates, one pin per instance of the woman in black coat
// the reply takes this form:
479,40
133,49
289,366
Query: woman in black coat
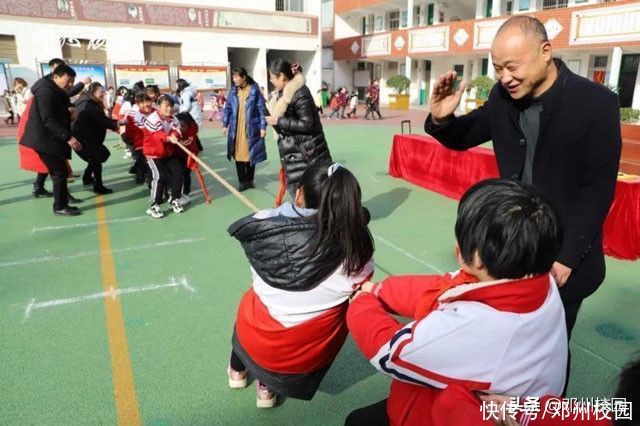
90,128
294,116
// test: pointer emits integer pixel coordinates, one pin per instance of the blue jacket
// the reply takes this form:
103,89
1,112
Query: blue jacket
255,118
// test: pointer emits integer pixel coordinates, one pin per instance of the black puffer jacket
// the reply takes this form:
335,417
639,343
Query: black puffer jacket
91,124
302,140
278,249
90,128
48,127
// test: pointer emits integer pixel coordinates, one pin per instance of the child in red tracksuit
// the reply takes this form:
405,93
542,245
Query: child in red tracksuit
189,138
134,131
496,326
161,131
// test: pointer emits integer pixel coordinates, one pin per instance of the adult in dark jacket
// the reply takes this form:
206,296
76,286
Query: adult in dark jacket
90,128
38,185
301,141
552,129
245,125
48,132
77,87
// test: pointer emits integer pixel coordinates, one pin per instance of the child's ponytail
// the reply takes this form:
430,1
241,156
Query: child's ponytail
342,223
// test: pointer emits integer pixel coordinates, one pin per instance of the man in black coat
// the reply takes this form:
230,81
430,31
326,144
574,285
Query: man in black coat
38,185
552,129
77,87
48,132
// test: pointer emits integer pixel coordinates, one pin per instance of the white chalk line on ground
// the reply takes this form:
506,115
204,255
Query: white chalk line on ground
21,262
407,254
88,224
180,282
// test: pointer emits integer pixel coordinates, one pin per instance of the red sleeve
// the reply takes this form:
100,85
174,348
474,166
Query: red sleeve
193,147
152,142
370,325
157,137
401,294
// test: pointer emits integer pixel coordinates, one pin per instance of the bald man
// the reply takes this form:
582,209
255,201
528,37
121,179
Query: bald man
552,129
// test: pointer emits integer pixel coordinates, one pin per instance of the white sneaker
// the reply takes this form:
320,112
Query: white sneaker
265,397
176,206
155,212
237,379
184,200
127,154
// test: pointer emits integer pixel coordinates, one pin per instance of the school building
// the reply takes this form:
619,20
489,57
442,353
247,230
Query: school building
422,39
170,34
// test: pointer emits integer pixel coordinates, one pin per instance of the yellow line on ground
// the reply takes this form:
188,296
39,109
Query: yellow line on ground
124,389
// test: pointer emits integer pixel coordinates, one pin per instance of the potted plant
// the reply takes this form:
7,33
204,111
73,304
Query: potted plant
399,100
483,85
629,115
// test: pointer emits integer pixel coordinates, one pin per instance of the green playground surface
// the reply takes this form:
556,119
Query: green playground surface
180,279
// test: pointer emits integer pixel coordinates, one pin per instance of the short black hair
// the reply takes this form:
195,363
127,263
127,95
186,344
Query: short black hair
153,87
186,118
142,97
56,62
511,226
165,99
64,69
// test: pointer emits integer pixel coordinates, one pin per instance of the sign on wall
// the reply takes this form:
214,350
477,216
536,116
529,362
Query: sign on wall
205,77
128,75
95,71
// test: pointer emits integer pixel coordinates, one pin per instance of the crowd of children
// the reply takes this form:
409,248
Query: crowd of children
342,99
151,135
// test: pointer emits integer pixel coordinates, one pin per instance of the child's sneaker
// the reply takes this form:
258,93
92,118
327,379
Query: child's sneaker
175,205
237,379
155,212
266,398
184,200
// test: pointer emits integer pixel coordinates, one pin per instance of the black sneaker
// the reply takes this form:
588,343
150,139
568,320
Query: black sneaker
41,192
67,212
87,181
73,199
102,190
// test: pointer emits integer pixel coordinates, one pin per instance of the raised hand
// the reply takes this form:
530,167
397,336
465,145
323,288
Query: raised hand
444,99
